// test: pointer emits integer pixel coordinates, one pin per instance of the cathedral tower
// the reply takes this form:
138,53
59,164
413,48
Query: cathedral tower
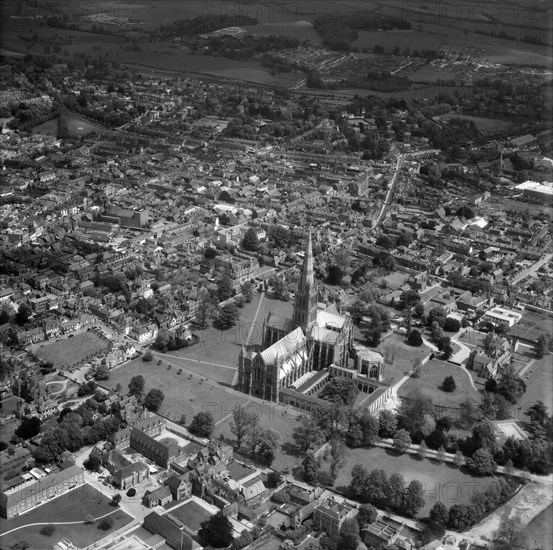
305,305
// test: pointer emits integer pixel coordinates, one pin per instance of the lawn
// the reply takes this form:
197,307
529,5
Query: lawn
191,514
223,347
406,355
76,127
71,351
539,386
431,378
441,482
73,506
539,532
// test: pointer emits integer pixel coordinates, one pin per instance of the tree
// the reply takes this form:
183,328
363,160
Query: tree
451,324
89,519
202,424
93,463
23,314
250,240
409,299
402,441
415,338
310,467
378,487
415,410
510,384
136,386
387,422
28,428
444,345
482,462
439,513
247,291
461,516
148,356
204,308
308,434
423,449
396,491
419,309
116,499
359,483
510,535
240,424
413,500
228,316
101,372
337,455
349,535
468,413
48,530
538,414
274,479
367,514
449,384
335,275
153,400
465,212
131,492
339,389
225,288
542,345
268,446
20,545
105,524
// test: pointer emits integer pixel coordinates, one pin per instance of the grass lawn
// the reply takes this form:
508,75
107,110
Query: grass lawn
223,347
191,514
431,378
73,506
70,351
390,39
406,355
441,482
539,386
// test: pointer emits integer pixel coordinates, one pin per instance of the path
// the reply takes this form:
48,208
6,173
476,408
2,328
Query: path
528,365
165,355
261,296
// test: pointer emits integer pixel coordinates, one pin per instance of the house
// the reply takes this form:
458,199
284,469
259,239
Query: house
158,497
383,532
131,475
488,363
330,515
180,486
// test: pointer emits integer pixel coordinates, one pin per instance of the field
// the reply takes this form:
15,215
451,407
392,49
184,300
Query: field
485,125
73,506
441,482
411,39
539,387
191,514
431,378
71,351
75,127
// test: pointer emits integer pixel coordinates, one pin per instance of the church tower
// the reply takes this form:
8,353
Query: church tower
305,305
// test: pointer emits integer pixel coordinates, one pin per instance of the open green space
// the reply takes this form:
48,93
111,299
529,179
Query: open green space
405,355
76,127
223,347
441,482
71,351
484,124
539,386
191,514
73,506
432,377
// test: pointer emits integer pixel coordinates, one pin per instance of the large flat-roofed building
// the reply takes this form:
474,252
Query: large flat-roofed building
502,316
175,536
33,493
537,192
126,217
330,515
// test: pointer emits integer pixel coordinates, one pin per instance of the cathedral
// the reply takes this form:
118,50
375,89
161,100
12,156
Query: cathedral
312,340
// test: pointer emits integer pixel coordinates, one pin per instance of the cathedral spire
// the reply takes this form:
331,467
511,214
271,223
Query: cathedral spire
305,306
307,277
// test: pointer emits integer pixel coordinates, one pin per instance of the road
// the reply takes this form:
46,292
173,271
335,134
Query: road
393,182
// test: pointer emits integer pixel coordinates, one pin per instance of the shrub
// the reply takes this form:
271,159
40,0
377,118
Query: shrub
105,524
449,384
48,530
415,338
131,492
